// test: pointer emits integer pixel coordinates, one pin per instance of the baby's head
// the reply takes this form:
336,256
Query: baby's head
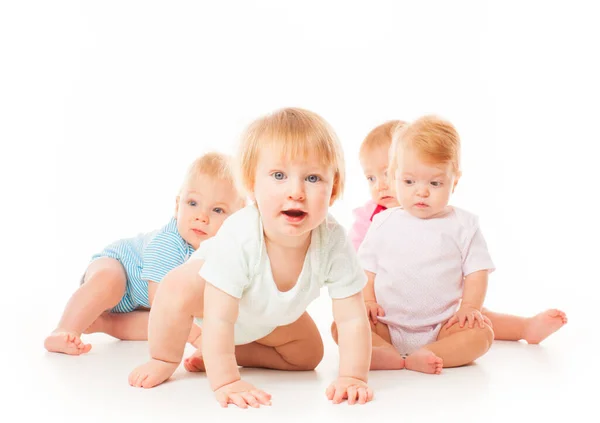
292,166
374,160
207,197
425,163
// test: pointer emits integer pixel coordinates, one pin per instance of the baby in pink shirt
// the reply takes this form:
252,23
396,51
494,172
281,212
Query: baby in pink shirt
374,161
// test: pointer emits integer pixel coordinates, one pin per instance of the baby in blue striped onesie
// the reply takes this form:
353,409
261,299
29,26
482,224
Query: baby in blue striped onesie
119,284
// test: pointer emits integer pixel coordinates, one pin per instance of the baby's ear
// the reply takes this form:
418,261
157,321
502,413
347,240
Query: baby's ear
456,178
177,199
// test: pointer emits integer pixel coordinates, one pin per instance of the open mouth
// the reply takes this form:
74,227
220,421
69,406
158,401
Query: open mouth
294,215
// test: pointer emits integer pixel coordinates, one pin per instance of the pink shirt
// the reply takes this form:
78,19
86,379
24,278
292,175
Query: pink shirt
363,217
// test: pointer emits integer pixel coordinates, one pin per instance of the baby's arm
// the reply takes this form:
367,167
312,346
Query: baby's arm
475,287
373,309
220,314
354,340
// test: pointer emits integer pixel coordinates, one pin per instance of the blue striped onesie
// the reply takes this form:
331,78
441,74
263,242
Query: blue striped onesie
147,257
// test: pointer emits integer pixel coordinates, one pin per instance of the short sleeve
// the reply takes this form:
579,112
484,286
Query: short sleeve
166,251
476,255
345,277
367,253
360,226
225,261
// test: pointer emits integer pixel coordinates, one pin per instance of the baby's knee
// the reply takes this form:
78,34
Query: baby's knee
485,335
312,355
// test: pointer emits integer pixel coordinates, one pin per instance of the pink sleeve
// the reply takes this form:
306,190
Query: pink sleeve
362,222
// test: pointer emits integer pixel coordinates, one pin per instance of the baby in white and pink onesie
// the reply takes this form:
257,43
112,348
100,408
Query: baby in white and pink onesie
418,263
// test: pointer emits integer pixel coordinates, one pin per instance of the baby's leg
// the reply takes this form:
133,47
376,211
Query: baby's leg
532,329
456,346
297,346
383,354
131,326
178,299
104,286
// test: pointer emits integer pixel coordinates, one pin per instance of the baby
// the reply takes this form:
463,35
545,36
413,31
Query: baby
119,284
374,161
250,285
427,263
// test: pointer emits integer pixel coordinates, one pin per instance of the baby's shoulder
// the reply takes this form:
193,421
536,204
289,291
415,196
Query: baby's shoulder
463,218
168,234
388,217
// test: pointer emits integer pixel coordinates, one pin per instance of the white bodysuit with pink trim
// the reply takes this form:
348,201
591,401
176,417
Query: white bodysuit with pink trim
420,265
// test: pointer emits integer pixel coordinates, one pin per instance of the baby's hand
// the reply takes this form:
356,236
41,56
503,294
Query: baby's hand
374,310
242,394
468,314
349,388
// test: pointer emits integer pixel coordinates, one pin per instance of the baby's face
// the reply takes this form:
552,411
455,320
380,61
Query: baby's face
375,165
293,196
202,206
423,188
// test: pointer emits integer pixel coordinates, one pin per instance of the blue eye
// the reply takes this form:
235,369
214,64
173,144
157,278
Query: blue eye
278,175
436,184
371,179
218,210
192,203
313,178
408,182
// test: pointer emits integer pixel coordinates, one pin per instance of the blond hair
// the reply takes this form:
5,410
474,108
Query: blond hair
297,134
380,136
213,164
432,138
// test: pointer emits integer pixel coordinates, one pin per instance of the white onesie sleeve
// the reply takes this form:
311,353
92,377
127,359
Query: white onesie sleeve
344,275
225,261
476,255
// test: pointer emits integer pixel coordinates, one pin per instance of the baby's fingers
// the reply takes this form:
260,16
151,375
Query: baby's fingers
373,315
479,318
250,400
452,321
365,395
330,391
339,395
222,399
380,311
471,319
261,396
238,400
352,394
487,320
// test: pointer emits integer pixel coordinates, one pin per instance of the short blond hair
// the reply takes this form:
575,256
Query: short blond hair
380,136
296,133
434,140
213,164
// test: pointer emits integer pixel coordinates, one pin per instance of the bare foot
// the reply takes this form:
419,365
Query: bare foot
386,358
542,325
66,343
424,361
152,373
195,362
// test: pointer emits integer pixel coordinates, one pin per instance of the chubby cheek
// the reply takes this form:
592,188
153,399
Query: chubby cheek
216,225
322,197
374,194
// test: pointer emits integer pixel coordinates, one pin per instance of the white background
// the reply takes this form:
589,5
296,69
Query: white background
103,105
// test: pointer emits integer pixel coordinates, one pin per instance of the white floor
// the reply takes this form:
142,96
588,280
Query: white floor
514,381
